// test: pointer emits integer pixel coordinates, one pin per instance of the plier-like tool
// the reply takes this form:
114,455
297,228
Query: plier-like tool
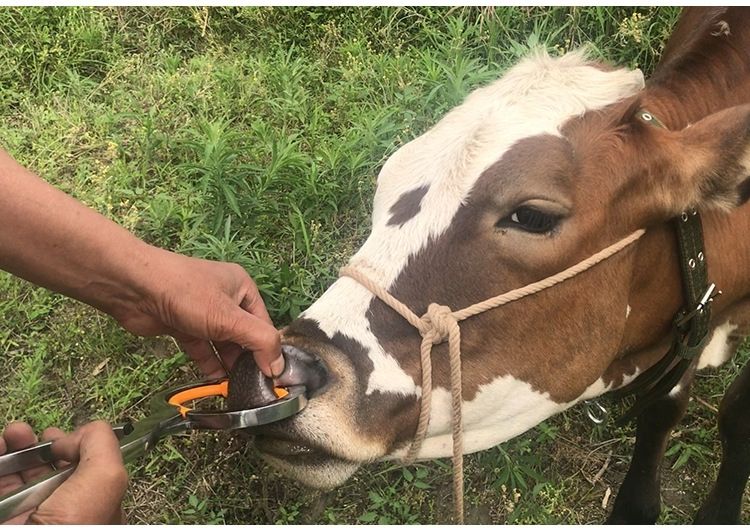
169,415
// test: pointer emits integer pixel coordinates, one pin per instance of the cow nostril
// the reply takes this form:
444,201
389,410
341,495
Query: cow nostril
303,368
249,387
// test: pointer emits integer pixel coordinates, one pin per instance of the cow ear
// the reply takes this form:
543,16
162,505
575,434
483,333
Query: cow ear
712,158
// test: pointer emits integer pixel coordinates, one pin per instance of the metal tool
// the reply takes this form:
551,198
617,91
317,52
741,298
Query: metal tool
169,415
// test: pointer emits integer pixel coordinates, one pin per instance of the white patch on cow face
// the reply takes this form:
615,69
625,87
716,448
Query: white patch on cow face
535,97
501,410
717,350
627,312
342,309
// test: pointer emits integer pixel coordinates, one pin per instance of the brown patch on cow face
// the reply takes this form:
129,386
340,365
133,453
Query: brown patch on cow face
547,339
609,174
604,178
407,206
700,71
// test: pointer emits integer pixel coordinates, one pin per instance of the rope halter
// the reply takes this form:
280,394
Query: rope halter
439,324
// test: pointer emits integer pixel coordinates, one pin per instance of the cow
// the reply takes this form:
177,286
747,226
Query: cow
531,174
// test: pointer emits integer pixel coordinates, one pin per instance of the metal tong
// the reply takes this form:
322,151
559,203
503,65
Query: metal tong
169,415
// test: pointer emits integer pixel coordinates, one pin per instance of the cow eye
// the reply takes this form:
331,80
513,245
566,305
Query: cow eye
530,219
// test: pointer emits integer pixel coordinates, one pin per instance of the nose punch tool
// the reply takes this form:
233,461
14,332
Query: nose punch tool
169,415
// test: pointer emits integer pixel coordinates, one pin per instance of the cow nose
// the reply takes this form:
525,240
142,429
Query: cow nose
303,368
249,387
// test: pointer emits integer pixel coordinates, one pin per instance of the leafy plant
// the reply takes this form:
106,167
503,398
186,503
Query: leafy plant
217,171
690,448
200,510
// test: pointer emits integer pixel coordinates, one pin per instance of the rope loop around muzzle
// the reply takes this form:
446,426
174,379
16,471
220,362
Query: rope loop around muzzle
439,324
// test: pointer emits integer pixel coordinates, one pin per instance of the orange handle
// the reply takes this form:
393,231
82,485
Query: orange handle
202,391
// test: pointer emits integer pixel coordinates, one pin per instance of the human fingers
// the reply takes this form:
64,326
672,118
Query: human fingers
95,439
229,352
265,343
17,435
258,336
8,482
93,493
50,435
20,435
253,302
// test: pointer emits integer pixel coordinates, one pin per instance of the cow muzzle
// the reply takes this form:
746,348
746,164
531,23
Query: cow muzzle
299,446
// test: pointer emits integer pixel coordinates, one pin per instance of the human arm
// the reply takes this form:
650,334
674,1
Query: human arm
53,240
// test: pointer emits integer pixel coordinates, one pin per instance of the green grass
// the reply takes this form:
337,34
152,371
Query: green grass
254,135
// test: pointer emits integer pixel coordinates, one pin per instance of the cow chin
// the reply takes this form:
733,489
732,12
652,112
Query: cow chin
297,455
315,471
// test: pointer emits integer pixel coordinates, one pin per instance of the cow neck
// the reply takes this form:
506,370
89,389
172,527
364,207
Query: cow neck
440,323
690,324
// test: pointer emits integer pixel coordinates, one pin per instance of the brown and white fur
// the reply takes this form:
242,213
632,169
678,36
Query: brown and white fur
562,136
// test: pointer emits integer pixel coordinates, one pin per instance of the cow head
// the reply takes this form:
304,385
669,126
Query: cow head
528,176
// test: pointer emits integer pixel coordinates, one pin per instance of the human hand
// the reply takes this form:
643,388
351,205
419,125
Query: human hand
200,302
92,494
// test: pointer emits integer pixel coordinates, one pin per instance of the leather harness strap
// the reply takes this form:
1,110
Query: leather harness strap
695,287
691,324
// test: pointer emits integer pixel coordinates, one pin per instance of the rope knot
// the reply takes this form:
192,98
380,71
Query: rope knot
438,323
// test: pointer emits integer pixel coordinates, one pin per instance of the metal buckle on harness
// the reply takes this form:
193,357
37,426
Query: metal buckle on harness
708,296
686,332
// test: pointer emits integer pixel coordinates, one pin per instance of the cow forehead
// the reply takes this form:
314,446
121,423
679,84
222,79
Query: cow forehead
440,168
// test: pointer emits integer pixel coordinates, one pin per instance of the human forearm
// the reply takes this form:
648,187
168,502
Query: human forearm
51,239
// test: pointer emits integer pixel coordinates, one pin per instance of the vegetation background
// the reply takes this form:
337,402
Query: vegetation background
254,135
